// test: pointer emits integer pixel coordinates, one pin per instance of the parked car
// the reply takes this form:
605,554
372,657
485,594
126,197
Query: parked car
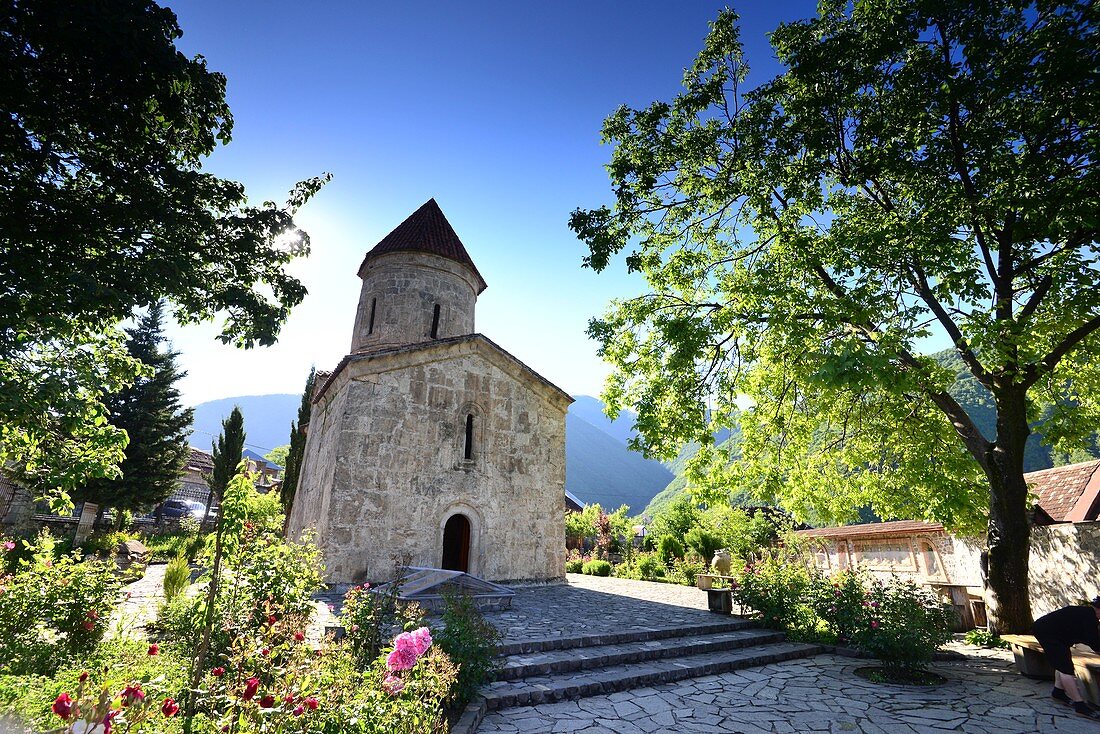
183,508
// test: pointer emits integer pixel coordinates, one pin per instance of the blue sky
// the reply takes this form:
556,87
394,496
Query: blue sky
492,108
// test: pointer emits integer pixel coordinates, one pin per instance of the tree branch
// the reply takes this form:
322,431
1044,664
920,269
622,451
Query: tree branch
920,282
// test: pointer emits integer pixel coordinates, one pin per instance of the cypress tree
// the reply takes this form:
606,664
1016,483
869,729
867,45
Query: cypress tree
297,445
154,419
226,451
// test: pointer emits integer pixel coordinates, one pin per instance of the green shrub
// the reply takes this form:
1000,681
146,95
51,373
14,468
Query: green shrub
53,608
114,664
669,548
906,624
775,587
263,576
574,565
166,546
177,577
470,642
839,601
649,567
685,571
703,542
985,638
596,568
106,544
369,619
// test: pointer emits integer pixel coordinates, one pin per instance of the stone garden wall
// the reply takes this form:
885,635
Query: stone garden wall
1065,565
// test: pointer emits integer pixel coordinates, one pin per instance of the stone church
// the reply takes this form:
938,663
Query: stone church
429,441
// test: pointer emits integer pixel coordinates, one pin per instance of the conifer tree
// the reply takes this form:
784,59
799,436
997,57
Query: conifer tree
297,444
226,452
157,424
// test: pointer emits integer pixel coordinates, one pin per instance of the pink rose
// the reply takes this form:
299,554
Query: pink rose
299,710
874,625
393,685
9,545
169,708
402,658
423,640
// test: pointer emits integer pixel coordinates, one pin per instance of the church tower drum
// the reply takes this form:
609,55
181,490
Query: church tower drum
419,284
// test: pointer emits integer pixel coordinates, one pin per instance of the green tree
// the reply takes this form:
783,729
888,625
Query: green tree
157,425
920,169
278,455
226,452
297,451
104,206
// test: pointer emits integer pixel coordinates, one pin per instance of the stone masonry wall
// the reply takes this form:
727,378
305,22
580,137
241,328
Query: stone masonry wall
1064,565
385,467
405,287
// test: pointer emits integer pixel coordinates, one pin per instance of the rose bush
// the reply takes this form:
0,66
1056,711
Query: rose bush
52,607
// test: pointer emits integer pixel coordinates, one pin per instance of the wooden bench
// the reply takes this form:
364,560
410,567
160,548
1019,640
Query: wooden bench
705,581
1031,661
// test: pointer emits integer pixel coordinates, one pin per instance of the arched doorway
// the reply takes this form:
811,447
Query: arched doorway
456,544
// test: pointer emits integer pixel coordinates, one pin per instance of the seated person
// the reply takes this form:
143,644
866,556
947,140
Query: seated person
1057,632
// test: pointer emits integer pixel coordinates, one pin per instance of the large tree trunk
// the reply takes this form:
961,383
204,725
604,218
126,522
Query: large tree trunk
1009,606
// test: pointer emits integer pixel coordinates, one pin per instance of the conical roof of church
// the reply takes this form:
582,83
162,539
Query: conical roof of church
426,230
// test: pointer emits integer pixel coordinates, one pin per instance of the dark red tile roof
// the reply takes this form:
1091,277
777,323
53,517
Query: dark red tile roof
874,529
200,461
1063,488
426,230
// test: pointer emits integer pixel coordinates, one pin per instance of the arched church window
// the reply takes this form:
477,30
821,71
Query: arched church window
373,306
468,453
435,322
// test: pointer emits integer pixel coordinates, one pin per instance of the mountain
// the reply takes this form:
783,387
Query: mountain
590,410
600,468
266,420
598,465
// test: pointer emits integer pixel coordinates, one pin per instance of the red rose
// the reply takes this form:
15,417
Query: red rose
83,676
169,707
271,619
218,672
250,687
132,694
265,652
299,636
311,703
89,625
289,698
267,701
154,649
63,705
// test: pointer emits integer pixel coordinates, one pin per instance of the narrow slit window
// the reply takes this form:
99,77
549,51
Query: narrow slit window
435,322
469,452
373,305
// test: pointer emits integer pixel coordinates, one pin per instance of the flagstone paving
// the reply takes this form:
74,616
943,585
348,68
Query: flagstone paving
983,695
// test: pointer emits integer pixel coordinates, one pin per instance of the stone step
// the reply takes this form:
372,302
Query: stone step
535,690
526,665
719,624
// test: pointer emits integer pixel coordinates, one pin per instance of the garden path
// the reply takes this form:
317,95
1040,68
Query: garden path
140,605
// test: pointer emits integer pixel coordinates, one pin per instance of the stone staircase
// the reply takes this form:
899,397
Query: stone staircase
556,669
